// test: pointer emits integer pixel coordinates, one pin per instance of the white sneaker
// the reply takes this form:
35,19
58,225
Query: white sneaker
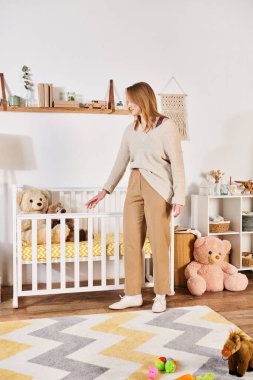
159,304
127,301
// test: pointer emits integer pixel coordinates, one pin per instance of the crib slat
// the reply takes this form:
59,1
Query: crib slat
34,256
84,207
62,197
111,208
103,253
90,252
76,247
84,200
107,209
19,252
72,201
95,225
103,204
14,247
116,251
117,200
67,201
49,254
63,254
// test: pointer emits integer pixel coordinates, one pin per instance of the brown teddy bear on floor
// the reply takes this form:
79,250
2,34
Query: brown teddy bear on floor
58,208
238,349
33,201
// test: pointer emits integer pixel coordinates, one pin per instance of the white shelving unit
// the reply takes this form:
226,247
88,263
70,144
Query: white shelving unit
230,207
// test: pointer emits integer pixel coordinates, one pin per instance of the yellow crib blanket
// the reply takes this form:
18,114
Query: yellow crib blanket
83,248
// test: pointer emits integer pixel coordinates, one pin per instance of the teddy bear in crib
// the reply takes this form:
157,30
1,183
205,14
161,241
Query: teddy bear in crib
69,223
209,272
238,350
34,201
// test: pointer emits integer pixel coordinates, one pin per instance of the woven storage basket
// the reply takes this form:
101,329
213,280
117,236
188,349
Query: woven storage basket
183,255
219,227
247,260
247,222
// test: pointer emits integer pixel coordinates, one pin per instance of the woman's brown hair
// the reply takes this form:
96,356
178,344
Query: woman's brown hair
143,96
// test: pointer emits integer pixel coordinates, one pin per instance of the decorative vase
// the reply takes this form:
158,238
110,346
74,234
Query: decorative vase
210,187
224,189
204,188
217,188
30,100
27,96
14,101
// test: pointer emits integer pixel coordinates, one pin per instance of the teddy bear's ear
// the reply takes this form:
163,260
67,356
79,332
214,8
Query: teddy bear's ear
19,197
226,245
46,193
199,242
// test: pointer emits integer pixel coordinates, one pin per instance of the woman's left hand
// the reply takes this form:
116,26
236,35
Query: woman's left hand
177,209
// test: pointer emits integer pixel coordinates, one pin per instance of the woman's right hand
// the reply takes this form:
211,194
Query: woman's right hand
95,200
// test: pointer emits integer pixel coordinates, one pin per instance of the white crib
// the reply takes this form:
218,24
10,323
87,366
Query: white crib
106,218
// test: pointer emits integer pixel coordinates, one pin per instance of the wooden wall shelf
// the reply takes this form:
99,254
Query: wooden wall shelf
65,109
111,105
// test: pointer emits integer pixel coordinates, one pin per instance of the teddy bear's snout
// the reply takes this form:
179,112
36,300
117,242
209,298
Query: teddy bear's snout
37,205
214,257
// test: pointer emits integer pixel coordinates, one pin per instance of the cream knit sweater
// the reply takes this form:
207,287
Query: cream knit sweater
158,156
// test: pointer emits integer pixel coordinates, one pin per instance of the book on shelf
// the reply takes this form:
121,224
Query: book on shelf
45,94
51,95
41,95
66,103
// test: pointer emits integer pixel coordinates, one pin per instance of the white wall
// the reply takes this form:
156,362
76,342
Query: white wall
81,44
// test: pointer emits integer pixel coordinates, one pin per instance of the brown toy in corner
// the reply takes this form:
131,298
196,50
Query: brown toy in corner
58,208
238,349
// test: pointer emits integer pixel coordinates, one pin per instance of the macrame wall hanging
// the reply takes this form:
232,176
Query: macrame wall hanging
174,106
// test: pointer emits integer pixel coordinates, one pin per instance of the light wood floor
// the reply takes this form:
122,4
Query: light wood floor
235,306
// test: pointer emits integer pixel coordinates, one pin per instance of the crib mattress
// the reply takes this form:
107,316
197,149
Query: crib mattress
83,248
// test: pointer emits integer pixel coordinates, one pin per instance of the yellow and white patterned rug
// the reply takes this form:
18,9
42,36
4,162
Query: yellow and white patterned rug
114,346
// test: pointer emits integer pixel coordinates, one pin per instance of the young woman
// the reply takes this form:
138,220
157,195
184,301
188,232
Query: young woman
151,143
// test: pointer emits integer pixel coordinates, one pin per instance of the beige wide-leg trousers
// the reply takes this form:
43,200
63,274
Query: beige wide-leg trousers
145,211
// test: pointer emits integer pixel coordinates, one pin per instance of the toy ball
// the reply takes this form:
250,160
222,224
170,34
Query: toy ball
153,372
206,376
160,365
170,367
163,359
